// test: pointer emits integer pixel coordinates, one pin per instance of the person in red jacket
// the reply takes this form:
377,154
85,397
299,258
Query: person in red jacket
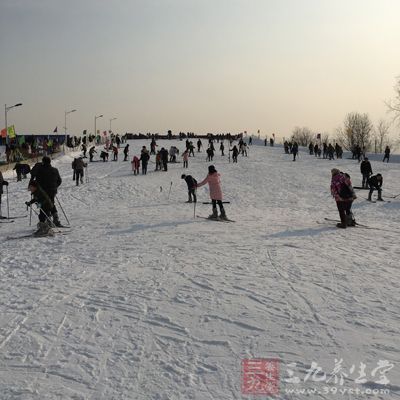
342,191
214,183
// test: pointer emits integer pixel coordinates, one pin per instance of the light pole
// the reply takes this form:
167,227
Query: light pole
65,124
95,119
112,119
6,109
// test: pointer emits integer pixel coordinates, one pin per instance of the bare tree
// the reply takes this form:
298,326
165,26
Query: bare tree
381,136
303,136
356,130
394,104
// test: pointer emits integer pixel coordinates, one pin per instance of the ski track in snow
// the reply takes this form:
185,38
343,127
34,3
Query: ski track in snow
142,301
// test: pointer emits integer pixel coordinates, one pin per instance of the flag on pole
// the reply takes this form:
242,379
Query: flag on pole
11,132
21,140
4,133
55,130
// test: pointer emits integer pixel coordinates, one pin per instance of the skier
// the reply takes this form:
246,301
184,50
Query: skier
115,153
210,154
92,150
104,155
135,165
375,182
40,197
49,179
235,153
191,149
126,151
366,172
387,154
22,170
2,183
295,150
158,161
222,148
84,149
185,156
191,185
342,191
199,145
78,166
214,183
164,158
144,158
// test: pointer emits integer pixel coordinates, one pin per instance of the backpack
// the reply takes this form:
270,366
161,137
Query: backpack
345,192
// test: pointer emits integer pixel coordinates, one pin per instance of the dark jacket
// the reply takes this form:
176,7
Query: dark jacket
47,177
365,167
191,182
43,200
144,157
374,183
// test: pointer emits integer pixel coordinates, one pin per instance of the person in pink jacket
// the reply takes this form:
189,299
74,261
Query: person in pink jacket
135,165
214,183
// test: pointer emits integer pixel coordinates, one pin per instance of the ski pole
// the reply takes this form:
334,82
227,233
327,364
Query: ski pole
170,187
87,174
38,214
30,214
8,206
195,202
65,215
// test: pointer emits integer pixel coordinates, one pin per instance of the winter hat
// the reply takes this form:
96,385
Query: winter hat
183,176
211,169
335,171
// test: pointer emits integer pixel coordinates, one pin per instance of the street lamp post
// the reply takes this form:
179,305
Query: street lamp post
95,119
112,119
6,109
65,124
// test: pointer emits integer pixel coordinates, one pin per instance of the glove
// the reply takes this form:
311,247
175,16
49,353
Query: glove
27,203
5,183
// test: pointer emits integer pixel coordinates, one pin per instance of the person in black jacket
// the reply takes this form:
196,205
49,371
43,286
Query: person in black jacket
366,171
164,158
49,179
295,150
144,158
387,154
191,184
375,182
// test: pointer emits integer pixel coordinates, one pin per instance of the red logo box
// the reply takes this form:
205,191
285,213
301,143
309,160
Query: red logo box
260,376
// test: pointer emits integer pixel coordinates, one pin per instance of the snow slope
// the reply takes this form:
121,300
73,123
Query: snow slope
142,301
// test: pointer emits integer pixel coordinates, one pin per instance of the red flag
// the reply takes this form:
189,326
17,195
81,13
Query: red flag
55,130
4,133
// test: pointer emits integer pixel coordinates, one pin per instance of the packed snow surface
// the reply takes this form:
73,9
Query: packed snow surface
143,301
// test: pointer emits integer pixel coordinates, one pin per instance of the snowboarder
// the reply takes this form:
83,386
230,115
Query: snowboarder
342,191
191,185
49,179
46,206
366,172
375,182
214,183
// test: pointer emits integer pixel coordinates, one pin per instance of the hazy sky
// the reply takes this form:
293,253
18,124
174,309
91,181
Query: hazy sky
197,65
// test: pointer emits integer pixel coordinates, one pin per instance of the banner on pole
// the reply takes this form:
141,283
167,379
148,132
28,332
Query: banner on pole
11,132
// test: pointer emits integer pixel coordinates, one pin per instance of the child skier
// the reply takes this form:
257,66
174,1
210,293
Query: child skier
214,183
191,185
135,165
185,156
40,197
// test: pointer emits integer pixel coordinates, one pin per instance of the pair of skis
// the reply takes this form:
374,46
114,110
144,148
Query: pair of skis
59,231
216,219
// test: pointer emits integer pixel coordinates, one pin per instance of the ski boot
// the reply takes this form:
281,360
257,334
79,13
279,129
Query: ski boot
350,220
214,214
340,225
44,229
56,220
379,198
223,215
